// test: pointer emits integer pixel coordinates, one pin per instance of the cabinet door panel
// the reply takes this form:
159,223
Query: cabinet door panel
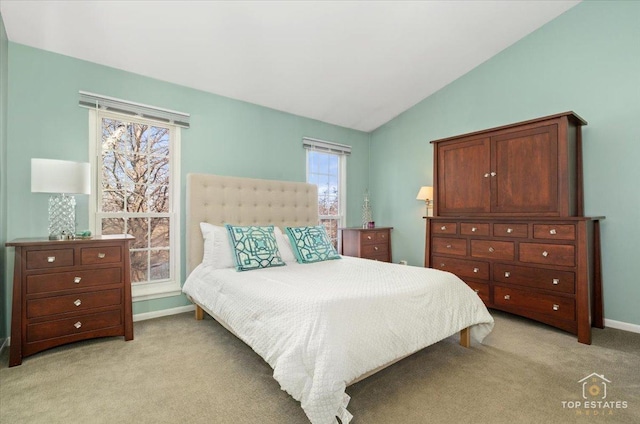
526,171
463,187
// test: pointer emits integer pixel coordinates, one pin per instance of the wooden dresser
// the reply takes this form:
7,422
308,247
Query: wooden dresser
367,243
70,290
508,220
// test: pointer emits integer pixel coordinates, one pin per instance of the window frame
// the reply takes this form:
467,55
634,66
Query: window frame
150,289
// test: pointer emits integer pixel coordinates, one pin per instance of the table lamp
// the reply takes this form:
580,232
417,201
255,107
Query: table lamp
425,194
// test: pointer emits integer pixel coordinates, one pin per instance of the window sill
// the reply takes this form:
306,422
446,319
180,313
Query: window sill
148,291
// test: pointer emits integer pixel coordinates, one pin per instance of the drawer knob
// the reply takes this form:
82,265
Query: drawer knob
77,324
51,259
493,174
383,236
507,274
509,230
552,231
442,265
101,255
486,175
375,247
77,279
556,306
476,290
476,270
78,302
545,253
448,246
474,229
491,249
556,281
443,228
507,297
368,237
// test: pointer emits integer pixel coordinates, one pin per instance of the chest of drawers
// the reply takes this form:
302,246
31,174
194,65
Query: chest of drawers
547,269
66,291
367,243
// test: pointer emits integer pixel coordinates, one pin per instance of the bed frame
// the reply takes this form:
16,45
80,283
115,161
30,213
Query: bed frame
246,201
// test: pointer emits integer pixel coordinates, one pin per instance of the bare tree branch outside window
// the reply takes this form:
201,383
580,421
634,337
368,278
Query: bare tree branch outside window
324,171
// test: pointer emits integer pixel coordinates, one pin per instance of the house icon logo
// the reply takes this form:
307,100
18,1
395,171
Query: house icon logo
594,386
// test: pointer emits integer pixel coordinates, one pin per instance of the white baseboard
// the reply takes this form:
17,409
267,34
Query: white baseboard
163,313
5,344
634,328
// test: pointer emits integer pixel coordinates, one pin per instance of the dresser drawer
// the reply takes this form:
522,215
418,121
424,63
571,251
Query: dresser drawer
449,246
369,250
101,255
370,237
548,254
445,227
481,289
474,229
555,306
493,249
462,267
72,303
54,258
558,232
541,278
75,325
45,283
510,230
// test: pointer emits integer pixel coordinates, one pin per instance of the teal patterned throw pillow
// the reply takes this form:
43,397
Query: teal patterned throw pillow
254,247
311,244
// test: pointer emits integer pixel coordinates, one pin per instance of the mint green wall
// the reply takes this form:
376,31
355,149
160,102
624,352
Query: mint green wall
4,65
227,137
587,60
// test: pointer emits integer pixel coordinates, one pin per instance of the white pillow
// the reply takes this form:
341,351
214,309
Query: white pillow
284,246
217,247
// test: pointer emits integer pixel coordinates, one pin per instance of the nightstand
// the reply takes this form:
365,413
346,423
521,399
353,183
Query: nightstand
367,243
69,290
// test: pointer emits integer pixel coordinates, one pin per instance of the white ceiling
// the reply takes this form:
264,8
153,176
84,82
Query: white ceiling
356,64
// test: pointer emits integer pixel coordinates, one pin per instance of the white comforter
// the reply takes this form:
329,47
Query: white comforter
322,325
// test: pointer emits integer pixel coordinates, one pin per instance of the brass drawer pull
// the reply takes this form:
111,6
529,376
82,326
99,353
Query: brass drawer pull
51,259
556,281
78,302
77,324
443,228
476,270
474,229
552,231
556,307
491,249
101,255
509,230
507,297
545,253
507,274
77,280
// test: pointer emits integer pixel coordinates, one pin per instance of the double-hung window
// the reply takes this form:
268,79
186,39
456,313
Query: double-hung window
135,164
326,168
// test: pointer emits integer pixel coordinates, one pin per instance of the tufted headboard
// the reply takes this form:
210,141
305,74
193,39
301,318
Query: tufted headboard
220,200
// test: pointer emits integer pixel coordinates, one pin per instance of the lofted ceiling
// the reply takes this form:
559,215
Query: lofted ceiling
357,64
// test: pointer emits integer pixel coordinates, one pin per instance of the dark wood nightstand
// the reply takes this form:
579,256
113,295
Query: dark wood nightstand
69,290
367,243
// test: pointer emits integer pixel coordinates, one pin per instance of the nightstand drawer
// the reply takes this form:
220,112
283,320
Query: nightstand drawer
462,267
73,303
510,230
45,283
551,254
556,306
75,325
493,249
541,278
558,232
54,258
101,255
369,250
369,237
450,246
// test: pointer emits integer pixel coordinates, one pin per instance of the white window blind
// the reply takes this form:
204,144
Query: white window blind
98,101
326,146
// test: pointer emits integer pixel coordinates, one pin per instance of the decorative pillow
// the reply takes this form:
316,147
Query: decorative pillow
217,248
284,246
254,247
311,244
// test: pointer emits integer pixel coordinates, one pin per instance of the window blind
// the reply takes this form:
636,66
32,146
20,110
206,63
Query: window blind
98,101
325,146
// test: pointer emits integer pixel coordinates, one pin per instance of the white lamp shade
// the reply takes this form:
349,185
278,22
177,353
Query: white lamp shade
425,193
60,176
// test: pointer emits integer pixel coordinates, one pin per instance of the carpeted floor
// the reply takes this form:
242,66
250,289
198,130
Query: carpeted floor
181,370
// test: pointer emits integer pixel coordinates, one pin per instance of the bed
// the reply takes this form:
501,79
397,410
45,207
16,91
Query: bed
321,326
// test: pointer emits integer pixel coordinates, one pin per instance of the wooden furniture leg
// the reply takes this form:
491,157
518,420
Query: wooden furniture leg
465,337
199,313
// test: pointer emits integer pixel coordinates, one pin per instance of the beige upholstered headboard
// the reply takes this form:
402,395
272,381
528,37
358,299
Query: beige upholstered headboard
222,200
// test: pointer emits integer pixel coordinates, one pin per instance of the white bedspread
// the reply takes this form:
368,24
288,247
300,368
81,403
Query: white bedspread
322,325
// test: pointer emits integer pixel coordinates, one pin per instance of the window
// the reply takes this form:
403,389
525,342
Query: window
137,193
326,168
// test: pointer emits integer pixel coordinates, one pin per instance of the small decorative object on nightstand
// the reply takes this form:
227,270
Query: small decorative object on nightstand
367,243
69,290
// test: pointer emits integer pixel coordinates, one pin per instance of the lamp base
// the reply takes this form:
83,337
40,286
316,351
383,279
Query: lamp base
62,216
